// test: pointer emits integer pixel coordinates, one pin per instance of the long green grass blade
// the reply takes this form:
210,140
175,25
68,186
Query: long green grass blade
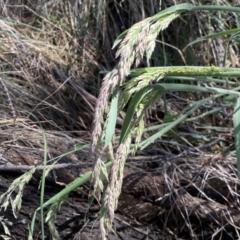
171,125
120,38
179,8
215,8
62,194
112,118
185,71
43,179
167,127
236,124
138,97
215,35
30,233
72,186
168,87
200,79
126,128
43,182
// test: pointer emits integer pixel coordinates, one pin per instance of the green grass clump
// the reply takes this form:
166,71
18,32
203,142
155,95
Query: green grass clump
140,93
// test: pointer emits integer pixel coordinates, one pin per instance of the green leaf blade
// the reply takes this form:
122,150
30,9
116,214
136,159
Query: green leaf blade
112,118
236,124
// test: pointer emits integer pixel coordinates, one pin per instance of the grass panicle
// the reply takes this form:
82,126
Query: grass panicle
113,189
132,48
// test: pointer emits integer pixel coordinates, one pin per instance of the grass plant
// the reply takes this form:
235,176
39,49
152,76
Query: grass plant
135,44
50,56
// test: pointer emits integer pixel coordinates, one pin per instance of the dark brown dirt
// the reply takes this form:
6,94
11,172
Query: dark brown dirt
74,221
71,217
149,208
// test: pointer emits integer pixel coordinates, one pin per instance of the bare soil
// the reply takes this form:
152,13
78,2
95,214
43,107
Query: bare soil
167,200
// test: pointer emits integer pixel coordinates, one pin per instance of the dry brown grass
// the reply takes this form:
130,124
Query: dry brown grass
197,196
45,65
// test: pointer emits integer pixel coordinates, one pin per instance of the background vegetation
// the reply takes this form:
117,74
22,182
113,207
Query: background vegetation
53,56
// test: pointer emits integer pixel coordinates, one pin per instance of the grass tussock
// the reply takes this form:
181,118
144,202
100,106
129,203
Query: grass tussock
45,62
137,44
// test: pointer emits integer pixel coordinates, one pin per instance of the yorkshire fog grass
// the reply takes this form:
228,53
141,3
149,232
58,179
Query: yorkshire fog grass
180,59
136,43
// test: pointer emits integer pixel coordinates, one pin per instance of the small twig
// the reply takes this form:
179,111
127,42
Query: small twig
211,144
17,168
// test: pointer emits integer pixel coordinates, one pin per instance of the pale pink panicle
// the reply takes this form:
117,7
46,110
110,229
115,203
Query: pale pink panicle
114,188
